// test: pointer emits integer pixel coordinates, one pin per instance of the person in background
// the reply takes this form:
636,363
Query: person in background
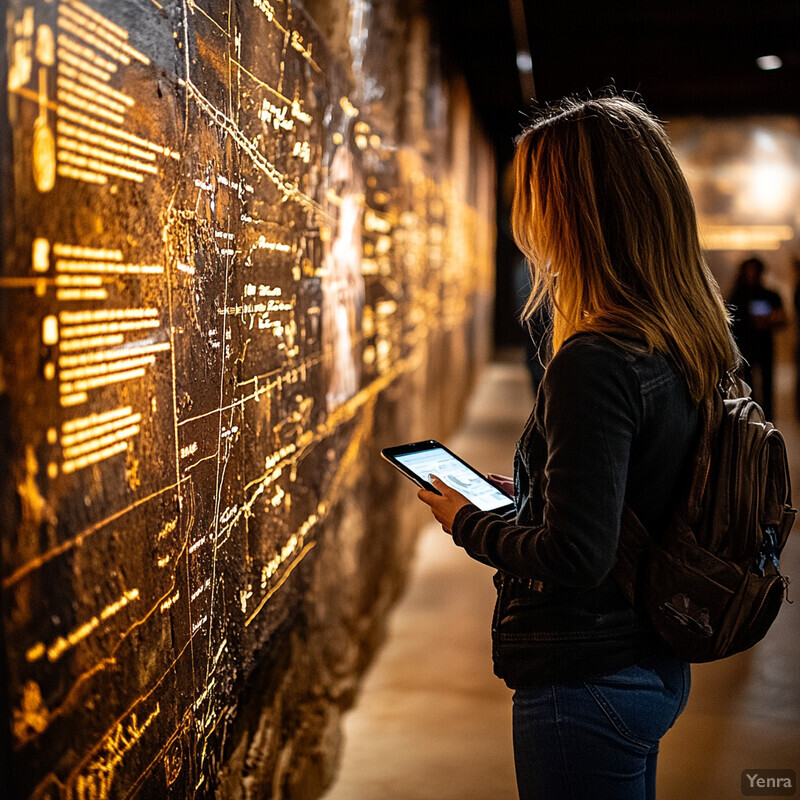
641,337
757,314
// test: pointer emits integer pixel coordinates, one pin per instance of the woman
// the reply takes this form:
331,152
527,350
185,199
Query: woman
640,337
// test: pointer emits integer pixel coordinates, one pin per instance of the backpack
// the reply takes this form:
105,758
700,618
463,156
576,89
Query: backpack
712,585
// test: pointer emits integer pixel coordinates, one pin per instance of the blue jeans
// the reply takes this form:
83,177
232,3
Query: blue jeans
597,740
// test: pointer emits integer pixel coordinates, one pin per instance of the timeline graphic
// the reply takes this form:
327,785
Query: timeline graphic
220,263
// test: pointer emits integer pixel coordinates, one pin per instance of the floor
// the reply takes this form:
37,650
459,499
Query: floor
433,723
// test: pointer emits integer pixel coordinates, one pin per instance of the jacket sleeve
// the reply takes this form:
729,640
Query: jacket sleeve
592,409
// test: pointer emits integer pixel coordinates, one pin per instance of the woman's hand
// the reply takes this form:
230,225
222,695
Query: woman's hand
445,506
502,482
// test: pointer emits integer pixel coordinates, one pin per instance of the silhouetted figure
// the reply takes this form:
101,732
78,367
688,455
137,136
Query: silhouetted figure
758,313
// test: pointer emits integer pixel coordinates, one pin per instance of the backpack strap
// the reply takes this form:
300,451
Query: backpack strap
634,540
711,412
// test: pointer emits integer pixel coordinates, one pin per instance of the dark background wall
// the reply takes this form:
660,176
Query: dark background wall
246,245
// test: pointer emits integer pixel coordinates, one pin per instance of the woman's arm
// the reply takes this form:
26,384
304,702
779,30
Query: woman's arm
591,411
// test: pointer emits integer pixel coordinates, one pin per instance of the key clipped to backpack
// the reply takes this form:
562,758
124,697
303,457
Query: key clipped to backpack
712,585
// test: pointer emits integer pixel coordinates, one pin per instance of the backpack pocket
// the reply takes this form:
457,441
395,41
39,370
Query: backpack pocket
758,603
687,592
704,607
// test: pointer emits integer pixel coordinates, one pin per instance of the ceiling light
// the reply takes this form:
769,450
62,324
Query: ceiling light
524,61
765,62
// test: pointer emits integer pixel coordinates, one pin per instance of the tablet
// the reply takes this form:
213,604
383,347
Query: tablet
418,460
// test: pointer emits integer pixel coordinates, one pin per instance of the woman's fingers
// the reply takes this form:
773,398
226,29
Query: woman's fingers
503,482
444,502
427,496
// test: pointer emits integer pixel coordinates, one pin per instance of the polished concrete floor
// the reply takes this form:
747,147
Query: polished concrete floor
433,723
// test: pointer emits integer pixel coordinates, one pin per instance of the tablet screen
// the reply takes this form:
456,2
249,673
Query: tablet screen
456,475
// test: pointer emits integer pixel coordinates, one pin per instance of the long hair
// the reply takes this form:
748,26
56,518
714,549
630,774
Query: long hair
603,214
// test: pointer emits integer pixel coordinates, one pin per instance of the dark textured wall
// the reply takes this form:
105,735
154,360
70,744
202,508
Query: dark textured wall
246,244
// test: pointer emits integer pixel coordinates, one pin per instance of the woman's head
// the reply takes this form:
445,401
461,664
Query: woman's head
604,216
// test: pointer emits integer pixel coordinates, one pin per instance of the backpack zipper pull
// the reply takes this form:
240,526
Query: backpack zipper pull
769,552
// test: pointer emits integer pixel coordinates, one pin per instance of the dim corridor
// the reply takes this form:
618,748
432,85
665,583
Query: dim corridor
433,723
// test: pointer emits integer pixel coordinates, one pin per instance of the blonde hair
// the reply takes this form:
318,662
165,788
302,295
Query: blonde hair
603,214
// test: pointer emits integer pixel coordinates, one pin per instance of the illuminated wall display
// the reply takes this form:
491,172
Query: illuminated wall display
246,245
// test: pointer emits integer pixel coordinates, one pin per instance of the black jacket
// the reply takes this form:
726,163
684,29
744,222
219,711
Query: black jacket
612,423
